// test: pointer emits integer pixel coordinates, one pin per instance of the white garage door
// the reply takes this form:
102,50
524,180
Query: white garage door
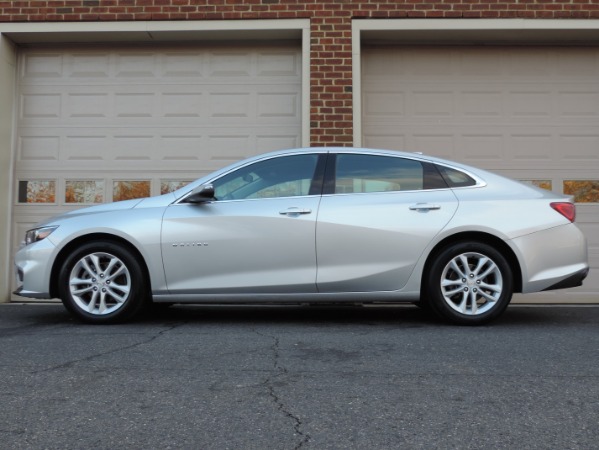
531,113
96,125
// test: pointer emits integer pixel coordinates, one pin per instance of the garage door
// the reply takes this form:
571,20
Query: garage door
96,125
531,113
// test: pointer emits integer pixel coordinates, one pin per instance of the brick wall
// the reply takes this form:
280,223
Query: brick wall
331,71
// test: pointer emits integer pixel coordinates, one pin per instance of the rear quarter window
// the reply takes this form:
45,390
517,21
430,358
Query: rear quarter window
456,178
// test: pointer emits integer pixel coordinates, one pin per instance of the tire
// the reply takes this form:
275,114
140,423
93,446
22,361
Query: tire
469,283
102,282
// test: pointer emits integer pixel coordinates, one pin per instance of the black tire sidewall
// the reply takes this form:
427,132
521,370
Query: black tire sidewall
137,294
434,295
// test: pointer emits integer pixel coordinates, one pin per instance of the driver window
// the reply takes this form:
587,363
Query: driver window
286,176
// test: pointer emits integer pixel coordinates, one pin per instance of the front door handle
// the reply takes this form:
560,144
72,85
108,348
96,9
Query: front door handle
293,211
424,207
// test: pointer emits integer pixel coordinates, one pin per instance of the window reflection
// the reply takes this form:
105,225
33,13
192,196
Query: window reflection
167,186
84,191
37,191
126,190
289,176
371,173
543,184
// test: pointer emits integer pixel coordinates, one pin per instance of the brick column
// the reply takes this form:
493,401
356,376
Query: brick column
331,97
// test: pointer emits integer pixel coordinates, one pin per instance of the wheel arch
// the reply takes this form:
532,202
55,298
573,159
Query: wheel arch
484,238
93,237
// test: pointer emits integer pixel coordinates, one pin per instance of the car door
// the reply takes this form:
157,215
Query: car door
376,218
257,236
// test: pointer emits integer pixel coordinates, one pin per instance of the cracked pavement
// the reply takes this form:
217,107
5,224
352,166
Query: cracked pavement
273,392
299,378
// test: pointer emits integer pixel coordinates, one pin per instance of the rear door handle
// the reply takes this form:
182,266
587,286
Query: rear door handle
293,211
424,207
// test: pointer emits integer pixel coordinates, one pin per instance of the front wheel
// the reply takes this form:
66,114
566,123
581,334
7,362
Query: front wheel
469,283
102,282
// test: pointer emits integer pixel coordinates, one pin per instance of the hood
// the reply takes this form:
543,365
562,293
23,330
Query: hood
116,206
149,202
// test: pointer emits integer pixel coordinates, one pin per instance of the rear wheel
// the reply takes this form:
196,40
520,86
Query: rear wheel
102,282
469,283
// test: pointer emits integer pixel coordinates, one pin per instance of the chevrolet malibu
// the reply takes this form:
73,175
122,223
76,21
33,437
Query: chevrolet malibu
313,226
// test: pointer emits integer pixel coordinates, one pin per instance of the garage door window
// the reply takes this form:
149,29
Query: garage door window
37,191
543,184
84,191
130,189
583,191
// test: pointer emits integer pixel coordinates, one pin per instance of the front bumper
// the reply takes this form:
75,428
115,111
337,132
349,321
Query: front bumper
23,293
33,265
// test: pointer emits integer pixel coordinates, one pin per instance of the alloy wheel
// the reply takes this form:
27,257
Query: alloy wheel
100,283
471,283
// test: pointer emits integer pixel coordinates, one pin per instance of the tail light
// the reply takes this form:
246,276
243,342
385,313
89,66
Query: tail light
566,209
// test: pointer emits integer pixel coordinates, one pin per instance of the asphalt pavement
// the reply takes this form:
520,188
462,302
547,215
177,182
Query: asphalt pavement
299,377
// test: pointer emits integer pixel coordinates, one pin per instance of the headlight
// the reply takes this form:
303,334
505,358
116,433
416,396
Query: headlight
37,234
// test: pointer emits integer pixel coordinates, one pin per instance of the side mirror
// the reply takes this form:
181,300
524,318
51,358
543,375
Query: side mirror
201,194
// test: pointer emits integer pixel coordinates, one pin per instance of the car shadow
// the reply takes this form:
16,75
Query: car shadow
323,315
406,315
291,314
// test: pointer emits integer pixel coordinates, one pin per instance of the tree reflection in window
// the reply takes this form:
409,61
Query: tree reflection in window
584,191
84,191
37,191
126,190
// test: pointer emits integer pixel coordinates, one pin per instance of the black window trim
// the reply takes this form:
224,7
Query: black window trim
328,187
317,184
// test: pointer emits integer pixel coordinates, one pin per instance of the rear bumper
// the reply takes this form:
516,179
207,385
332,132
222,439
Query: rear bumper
570,282
552,259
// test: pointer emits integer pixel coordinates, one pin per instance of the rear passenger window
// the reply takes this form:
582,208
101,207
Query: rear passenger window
372,173
456,178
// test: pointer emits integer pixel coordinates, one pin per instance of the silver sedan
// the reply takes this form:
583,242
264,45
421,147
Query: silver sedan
311,226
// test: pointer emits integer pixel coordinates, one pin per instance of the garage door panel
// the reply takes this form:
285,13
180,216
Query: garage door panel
527,105
272,142
157,106
580,148
481,104
44,149
45,64
530,113
545,146
578,102
226,63
38,147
